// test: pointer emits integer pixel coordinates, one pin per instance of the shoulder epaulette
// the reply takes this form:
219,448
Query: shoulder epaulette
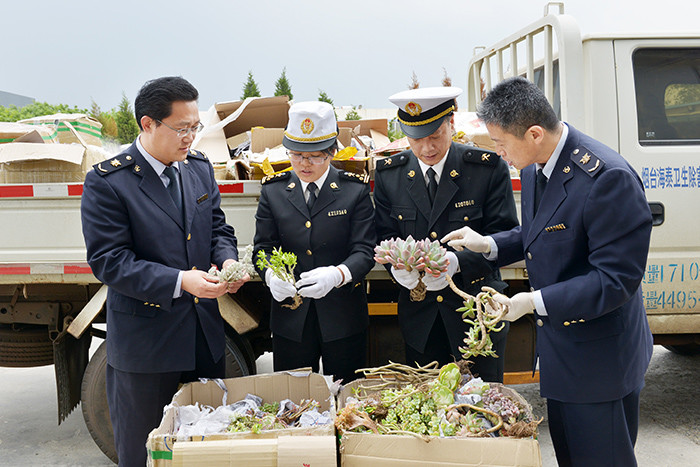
393,161
480,156
587,161
276,177
355,177
197,154
112,165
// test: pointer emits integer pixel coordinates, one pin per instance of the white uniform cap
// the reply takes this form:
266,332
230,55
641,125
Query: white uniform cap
422,110
311,127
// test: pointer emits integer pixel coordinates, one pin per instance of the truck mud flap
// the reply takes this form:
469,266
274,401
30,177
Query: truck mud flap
71,357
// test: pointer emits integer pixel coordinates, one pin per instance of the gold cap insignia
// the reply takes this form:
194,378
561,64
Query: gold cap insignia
334,185
128,158
387,161
413,109
567,169
585,159
411,174
485,156
291,185
454,173
115,162
137,168
307,126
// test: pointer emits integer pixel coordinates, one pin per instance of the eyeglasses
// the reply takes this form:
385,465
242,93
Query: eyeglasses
182,132
316,160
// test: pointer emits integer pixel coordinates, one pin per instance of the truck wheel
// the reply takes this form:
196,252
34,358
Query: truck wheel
94,394
26,347
684,349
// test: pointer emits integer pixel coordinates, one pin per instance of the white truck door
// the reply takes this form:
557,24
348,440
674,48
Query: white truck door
658,86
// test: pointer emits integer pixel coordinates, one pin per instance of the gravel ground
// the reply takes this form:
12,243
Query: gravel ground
669,432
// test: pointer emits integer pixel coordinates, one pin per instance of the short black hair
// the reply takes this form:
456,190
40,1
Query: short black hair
515,104
156,97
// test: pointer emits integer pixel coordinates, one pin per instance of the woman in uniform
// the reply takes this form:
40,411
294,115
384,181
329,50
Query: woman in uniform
325,217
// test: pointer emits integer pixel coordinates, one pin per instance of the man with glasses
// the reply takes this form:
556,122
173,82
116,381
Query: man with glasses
153,226
427,191
325,217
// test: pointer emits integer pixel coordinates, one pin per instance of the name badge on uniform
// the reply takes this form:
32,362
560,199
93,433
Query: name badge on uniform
204,197
461,204
340,212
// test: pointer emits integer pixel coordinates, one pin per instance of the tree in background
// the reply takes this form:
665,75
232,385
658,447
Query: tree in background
250,88
127,128
323,97
282,86
352,114
414,82
109,126
36,109
446,80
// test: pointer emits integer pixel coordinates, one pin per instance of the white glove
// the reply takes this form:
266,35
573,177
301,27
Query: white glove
405,278
519,305
318,282
433,283
467,238
280,289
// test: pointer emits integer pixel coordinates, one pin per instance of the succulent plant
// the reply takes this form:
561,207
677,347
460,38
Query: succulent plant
238,269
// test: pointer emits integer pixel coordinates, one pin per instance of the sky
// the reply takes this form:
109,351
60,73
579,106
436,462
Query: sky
359,52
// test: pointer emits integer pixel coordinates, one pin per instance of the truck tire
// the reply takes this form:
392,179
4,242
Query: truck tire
26,347
94,394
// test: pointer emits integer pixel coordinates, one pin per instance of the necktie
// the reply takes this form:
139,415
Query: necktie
540,185
311,188
174,186
432,184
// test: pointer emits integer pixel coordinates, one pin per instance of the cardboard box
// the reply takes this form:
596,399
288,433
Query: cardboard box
363,449
227,121
264,449
47,163
474,130
12,132
72,128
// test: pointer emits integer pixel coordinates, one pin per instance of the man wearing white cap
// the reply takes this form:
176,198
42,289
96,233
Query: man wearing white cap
324,216
426,192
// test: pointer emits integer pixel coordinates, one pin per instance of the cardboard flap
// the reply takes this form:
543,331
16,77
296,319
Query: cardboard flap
18,152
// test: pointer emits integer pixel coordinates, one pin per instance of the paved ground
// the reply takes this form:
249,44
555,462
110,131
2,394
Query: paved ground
669,433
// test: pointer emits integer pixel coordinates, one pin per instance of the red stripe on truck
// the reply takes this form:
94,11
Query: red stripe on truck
16,191
231,188
7,269
76,269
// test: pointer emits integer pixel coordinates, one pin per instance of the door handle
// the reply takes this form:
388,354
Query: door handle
657,213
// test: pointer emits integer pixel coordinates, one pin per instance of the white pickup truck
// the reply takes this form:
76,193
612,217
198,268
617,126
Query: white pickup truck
638,94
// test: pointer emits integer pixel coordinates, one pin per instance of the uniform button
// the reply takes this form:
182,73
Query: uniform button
194,268
400,217
196,300
308,252
145,303
189,236
433,235
582,321
540,323
439,298
566,323
308,224
529,255
466,218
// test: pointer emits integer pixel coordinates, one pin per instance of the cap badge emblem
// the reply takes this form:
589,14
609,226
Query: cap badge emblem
413,109
307,126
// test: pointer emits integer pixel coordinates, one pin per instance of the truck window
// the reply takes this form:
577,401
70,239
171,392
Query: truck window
667,88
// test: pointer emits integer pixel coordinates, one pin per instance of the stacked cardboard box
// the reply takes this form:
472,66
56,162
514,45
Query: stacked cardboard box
71,128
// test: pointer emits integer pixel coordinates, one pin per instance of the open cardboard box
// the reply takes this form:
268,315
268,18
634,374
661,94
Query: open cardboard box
314,446
71,128
47,163
363,449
